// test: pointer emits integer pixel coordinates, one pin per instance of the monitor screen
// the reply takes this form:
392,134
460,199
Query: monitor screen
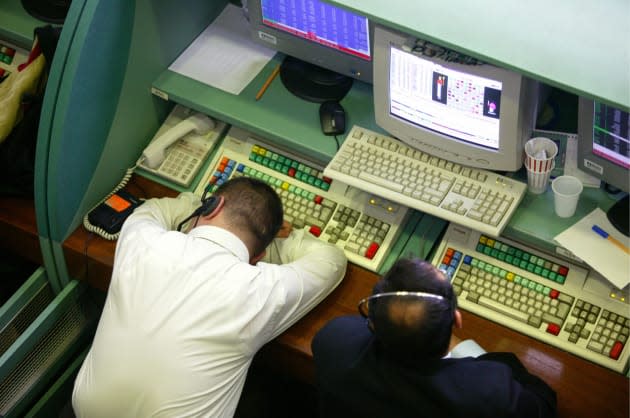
604,151
604,142
445,100
460,110
327,46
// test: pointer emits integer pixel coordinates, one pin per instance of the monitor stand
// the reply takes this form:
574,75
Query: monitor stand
313,83
618,215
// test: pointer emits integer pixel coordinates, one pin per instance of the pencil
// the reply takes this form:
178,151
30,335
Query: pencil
610,238
265,86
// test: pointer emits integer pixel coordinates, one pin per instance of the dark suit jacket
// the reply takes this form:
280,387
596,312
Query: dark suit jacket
356,379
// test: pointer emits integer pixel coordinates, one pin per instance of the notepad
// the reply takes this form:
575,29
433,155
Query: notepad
601,254
223,55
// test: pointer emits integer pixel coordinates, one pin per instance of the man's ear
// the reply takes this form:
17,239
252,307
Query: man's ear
217,208
458,319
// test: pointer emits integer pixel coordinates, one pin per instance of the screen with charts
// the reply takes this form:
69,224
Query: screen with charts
320,22
603,152
454,103
450,105
611,134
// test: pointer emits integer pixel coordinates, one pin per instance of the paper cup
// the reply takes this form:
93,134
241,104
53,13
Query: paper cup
537,181
539,154
566,193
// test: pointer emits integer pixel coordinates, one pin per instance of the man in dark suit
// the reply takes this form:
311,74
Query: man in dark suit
400,359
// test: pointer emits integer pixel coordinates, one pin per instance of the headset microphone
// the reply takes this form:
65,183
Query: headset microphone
207,206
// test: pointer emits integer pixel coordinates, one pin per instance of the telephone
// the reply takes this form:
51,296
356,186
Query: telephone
176,152
181,145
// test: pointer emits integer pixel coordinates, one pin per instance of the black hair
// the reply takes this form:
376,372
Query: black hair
253,206
412,328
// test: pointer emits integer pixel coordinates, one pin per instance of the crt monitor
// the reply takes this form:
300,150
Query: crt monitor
327,47
604,152
449,105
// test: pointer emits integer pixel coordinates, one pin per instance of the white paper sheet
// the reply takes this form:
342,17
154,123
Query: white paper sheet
223,55
601,254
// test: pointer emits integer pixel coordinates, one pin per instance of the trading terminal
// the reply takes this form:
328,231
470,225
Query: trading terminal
406,98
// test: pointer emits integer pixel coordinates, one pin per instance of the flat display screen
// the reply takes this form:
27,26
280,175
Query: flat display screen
321,23
611,134
463,106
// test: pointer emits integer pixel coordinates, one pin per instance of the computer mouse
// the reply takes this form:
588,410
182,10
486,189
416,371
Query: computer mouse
332,117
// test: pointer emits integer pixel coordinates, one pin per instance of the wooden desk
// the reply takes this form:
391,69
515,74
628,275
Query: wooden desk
584,389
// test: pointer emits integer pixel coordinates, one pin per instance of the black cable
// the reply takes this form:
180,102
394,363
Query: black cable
196,213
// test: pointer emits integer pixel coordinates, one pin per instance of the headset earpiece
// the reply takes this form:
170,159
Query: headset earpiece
208,205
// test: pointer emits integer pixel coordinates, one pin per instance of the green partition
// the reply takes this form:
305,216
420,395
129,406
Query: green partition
43,138
100,112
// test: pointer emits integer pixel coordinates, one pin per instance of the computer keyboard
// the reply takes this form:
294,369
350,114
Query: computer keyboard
363,225
479,199
537,294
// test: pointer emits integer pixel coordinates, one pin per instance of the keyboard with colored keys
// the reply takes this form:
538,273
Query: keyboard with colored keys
364,225
547,298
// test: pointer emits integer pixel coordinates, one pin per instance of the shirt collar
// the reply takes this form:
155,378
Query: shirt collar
224,238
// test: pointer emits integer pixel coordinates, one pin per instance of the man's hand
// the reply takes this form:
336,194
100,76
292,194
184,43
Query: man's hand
285,230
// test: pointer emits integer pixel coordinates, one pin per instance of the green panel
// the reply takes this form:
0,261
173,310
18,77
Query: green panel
419,238
63,276
16,302
49,108
50,264
39,327
87,99
105,113
578,46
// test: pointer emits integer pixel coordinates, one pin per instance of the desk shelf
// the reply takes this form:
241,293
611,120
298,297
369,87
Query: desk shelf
278,116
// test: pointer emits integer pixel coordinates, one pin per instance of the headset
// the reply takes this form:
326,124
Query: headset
392,297
364,304
208,205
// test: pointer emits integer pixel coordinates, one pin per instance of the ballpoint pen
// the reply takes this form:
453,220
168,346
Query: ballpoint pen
610,238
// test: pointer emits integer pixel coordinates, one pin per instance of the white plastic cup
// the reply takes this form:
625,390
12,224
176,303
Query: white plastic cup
537,181
566,193
540,153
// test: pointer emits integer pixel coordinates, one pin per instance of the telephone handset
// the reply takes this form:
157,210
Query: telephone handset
197,123
181,145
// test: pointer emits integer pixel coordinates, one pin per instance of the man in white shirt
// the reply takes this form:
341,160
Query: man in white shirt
186,312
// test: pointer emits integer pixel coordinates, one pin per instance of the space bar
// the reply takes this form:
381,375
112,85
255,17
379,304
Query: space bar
502,309
381,182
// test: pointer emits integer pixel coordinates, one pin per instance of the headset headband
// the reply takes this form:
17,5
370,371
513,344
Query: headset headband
364,303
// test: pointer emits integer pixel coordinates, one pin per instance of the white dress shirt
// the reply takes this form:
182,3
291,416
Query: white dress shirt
185,314
466,348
